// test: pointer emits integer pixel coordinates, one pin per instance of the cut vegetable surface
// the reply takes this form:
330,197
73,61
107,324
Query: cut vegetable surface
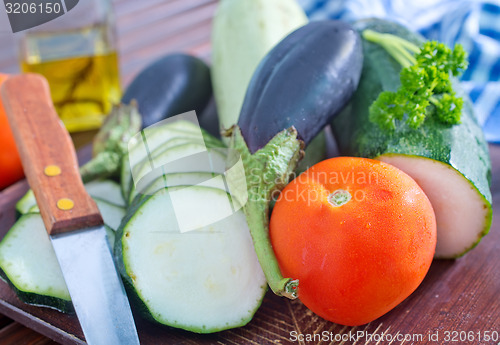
167,143
106,190
29,264
358,234
177,179
449,161
204,280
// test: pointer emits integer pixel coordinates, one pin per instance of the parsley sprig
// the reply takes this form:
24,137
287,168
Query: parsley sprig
425,81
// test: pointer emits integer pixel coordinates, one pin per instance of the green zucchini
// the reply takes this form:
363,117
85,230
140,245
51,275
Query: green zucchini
203,281
450,163
29,265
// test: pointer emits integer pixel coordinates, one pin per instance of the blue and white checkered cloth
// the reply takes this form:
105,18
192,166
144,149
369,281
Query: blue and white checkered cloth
473,23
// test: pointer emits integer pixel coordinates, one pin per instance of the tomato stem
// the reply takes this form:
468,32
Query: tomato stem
339,197
268,171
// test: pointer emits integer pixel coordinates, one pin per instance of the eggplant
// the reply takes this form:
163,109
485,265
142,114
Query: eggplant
295,91
303,82
171,85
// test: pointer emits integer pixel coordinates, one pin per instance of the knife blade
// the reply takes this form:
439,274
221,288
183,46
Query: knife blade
71,217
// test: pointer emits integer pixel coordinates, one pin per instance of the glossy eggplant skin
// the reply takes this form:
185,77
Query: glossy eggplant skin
303,82
169,86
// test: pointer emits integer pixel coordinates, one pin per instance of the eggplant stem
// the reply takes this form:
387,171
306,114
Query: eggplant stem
104,165
268,171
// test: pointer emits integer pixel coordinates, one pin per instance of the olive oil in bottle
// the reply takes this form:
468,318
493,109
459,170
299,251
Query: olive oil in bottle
81,66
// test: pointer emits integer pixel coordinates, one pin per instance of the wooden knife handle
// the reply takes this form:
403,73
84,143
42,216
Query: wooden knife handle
48,155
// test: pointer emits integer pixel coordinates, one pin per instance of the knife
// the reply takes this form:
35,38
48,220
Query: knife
71,217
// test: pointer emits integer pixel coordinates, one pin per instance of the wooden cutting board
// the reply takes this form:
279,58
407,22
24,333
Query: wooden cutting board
458,301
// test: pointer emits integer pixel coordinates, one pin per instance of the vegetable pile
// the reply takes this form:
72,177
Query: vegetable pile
351,237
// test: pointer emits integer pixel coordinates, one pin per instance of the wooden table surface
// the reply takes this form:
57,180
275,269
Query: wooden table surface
456,295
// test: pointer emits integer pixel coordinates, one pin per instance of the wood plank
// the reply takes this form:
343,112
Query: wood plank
16,334
138,15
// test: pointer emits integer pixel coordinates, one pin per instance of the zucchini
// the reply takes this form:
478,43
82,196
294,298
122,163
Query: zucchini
451,164
26,202
243,32
29,265
106,190
166,143
203,281
177,179
111,214
171,85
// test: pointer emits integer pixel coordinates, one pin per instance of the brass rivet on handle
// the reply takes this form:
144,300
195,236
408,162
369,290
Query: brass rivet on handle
65,204
52,170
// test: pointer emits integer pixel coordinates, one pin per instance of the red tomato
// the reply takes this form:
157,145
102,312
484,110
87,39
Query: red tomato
359,235
11,169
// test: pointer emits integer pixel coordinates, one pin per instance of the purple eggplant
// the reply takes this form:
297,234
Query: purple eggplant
302,82
170,86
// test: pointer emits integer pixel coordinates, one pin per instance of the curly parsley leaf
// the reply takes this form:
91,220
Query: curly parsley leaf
425,81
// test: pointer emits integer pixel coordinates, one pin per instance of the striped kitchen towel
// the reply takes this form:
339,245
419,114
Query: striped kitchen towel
473,23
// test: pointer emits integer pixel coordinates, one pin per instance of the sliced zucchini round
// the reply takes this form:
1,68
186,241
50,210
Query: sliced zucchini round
106,190
176,179
463,215
29,264
205,280
111,214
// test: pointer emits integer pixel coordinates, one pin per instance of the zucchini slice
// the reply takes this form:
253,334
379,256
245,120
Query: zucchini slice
106,190
26,202
205,280
176,179
462,214
111,214
29,264
160,139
